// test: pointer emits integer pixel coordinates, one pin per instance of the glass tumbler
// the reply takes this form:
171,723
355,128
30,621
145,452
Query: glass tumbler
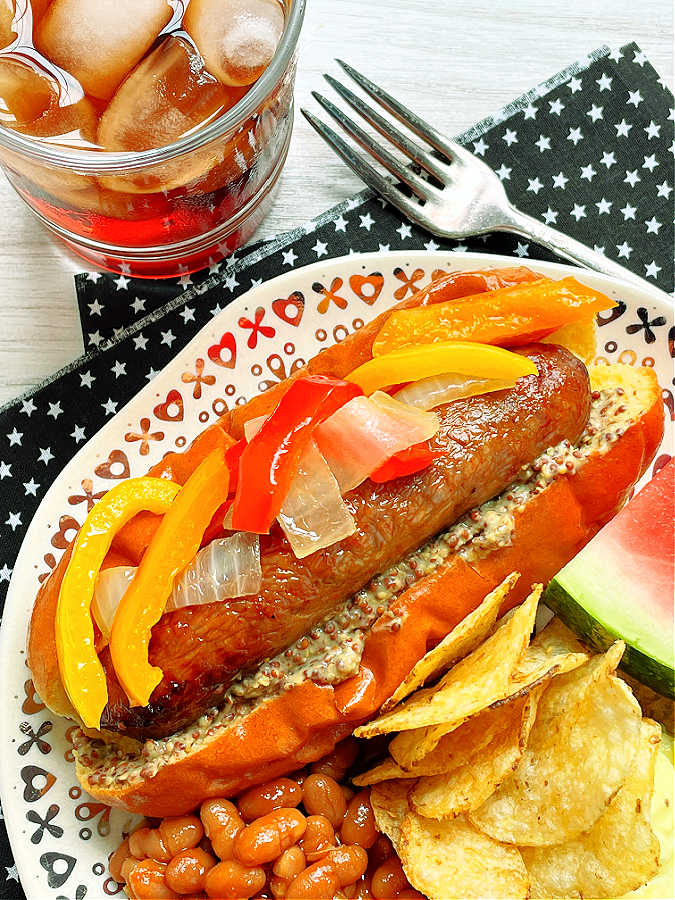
172,209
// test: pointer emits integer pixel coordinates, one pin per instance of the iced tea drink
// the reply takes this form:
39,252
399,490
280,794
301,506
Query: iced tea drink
148,134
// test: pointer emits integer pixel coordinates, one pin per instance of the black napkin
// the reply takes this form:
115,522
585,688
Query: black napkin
588,151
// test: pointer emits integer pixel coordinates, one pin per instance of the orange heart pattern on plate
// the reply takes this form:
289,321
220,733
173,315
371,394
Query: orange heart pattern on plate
116,458
224,353
367,287
172,408
291,309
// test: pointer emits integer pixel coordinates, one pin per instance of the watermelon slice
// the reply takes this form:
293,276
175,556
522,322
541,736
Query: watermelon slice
621,584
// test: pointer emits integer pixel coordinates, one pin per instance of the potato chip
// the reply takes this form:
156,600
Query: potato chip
654,705
473,684
384,771
554,651
619,853
579,754
453,859
454,750
663,823
466,787
460,745
464,637
390,807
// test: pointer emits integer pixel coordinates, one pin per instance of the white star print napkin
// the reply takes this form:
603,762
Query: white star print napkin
589,151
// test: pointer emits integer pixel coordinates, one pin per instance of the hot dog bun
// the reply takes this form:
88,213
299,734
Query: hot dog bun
302,724
567,500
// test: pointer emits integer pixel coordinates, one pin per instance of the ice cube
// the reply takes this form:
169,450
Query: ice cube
25,95
34,103
237,38
7,33
167,94
100,41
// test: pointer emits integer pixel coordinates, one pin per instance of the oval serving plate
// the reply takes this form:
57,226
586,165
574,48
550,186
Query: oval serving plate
61,838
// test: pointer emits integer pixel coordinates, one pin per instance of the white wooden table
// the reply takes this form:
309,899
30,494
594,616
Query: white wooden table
453,62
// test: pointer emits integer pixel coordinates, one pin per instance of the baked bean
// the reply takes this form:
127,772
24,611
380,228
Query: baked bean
388,879
125,869
279,886
181,833
186,873
118,858
222,823
359,825
382,849
316,882
258,801
146,881
322,797
339,761
319,837
231,879
410,894
268,837
350,863
147,843
290,863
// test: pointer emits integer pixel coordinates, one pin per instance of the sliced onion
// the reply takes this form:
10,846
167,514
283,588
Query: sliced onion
314,515
229,567
438,389
366,432
110,587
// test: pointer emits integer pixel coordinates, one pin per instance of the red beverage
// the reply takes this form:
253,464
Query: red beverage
148,134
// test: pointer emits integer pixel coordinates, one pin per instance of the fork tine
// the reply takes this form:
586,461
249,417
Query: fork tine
388,130
359,164
422,188
427,132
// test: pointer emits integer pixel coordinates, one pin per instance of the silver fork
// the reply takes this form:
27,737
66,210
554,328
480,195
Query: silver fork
467,198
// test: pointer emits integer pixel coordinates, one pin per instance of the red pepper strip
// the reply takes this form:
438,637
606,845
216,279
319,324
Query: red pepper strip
270,460
232,457
406,462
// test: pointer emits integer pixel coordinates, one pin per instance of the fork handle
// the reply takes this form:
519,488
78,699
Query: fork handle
569,248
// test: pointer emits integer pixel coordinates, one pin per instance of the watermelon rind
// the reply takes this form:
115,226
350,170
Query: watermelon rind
657,674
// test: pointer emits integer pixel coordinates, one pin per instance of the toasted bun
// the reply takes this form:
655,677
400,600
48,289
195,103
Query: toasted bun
302,724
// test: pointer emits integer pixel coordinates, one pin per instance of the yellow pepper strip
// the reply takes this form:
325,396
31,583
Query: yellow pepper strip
509,316
426,360
81,672
173,546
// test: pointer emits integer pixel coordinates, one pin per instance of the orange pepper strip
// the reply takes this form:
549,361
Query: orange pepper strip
508,316
134,538
173,546
81,671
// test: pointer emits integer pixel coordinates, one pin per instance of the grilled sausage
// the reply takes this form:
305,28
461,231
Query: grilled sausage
484,442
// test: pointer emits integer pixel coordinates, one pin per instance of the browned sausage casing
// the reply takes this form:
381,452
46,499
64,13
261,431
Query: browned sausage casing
485,440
